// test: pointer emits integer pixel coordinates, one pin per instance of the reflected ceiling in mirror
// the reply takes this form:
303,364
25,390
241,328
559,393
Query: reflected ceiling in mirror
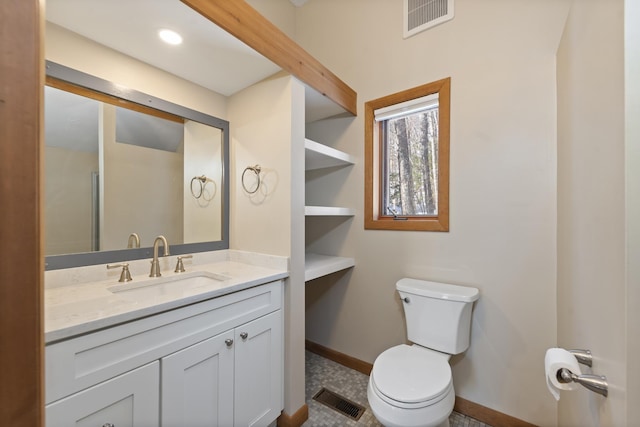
118,173
208,55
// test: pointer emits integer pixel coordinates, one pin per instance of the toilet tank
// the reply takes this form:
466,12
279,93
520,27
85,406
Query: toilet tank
438,315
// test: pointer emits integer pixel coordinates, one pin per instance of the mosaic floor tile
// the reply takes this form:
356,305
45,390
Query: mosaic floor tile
321,372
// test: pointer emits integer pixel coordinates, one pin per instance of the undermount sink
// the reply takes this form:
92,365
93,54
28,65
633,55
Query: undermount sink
172,284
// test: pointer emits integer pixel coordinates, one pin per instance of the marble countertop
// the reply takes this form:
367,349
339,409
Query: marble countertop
83,300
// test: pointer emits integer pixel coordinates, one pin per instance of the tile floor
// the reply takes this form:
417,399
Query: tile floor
321,372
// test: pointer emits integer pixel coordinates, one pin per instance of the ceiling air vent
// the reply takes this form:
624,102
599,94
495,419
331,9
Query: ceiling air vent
422,14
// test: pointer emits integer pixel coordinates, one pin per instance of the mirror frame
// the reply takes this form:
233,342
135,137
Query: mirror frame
104,87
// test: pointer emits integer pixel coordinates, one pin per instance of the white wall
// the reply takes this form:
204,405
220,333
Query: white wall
591,214
267,129
503,188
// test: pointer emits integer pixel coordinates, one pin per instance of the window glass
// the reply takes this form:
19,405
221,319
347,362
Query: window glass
410,163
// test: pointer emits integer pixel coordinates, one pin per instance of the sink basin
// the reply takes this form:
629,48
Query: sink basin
174,285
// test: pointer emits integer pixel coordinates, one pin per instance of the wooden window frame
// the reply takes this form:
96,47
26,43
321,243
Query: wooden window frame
373,219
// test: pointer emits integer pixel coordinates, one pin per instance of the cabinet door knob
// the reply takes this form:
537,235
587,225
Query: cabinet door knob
244,335
228,342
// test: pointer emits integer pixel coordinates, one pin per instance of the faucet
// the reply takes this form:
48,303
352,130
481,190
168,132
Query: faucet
134,241
155,265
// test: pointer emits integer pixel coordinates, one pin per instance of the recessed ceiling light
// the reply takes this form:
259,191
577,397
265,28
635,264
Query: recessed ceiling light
169,36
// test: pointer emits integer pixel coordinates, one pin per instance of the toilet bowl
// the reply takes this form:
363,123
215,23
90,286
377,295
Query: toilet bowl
411,386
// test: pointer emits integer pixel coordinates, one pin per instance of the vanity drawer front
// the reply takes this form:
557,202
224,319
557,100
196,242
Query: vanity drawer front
81,362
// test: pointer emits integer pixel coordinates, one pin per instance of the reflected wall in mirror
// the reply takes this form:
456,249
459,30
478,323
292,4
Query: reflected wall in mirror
119,173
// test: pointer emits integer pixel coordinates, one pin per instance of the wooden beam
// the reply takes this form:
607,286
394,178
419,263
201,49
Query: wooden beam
21,257
242,21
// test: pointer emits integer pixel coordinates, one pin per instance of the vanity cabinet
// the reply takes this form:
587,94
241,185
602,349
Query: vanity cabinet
217,363
197,384
131,399
258,371
230,379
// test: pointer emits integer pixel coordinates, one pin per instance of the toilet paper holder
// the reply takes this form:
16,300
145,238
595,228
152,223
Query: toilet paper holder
584,357
596,383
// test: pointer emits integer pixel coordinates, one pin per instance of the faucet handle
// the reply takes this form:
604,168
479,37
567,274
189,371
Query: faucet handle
125,275
180,264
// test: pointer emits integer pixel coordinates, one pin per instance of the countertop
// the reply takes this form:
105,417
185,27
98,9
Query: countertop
76,306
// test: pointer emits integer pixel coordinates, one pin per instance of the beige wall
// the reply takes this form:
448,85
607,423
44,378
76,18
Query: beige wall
503,188
202,156
281,13
268,130
591,214
68,200
632,184
140,190
261,135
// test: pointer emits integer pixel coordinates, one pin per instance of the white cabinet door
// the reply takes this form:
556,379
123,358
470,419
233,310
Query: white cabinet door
197,384
258,371
129,400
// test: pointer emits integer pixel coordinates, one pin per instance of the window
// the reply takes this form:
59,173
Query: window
407,159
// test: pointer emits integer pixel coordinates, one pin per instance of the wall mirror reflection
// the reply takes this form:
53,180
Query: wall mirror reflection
118,173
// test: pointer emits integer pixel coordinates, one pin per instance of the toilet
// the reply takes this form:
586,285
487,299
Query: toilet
411,385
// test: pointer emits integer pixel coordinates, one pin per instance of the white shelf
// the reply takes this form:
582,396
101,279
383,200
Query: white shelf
321,265
328,211
318,156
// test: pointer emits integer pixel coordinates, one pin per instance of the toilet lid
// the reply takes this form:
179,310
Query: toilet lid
411,374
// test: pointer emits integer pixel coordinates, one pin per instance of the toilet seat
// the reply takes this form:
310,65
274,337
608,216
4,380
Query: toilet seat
411,376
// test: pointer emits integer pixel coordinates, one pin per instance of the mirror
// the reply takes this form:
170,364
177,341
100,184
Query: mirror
117,40
122,167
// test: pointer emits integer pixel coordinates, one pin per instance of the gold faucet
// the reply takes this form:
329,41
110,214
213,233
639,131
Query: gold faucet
155,265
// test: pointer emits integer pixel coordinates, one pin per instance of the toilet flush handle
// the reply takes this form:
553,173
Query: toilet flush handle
406,299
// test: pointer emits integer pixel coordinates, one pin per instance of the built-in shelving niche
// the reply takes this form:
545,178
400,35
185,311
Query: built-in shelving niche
319,156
